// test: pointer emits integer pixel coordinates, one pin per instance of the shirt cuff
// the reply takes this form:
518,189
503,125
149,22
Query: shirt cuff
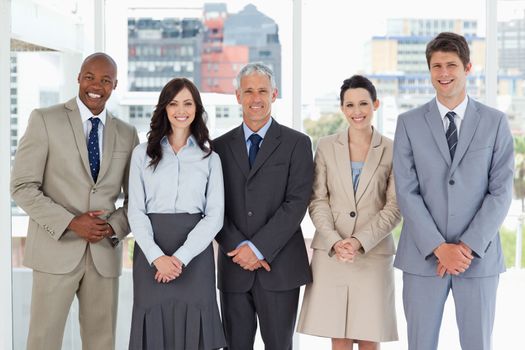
183,255
153,254
254,248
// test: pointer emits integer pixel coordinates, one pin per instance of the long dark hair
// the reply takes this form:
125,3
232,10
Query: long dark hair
160,125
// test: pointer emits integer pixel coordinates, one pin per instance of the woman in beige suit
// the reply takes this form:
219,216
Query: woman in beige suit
354,210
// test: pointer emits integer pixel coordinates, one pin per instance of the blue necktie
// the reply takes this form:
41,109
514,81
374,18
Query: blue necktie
254,148
93,148
452,134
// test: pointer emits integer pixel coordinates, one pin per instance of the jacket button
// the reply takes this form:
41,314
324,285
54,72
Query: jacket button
451,182
250,213
352,214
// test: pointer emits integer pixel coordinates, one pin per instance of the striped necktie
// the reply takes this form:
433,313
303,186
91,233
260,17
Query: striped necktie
452,134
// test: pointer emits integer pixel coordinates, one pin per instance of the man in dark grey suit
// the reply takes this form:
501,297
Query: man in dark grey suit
268,174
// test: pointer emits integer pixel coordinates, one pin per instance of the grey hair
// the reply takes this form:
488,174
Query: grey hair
255,67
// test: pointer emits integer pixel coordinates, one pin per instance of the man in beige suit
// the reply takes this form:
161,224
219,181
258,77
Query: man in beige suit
70,167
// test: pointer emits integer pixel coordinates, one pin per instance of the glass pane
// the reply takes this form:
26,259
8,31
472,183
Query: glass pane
27,93
386,41
208,43
511,100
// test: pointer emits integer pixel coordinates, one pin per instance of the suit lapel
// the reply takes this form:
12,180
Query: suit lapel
238,149
373,158
342,160
435,124
468,128
78,130
269,144
109,143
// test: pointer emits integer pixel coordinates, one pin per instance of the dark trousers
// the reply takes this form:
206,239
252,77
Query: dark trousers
276,311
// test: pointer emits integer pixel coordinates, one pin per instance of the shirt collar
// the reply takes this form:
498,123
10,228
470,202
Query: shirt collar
459,110
85,113
262,131
191,142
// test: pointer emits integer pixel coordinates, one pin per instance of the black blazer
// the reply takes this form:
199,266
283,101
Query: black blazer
265,205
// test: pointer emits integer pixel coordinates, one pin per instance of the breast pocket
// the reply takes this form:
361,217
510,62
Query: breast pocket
275,168
479,151
120,155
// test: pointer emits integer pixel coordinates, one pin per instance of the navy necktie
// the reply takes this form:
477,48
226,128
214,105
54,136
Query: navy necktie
452,134
93,148
254,148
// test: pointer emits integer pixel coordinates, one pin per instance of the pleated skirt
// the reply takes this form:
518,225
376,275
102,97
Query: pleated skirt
182,314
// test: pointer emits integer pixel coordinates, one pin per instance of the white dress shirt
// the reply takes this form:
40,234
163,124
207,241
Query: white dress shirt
459,110
85,114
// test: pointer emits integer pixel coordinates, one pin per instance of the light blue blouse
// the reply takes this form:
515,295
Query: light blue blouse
357,167
183,182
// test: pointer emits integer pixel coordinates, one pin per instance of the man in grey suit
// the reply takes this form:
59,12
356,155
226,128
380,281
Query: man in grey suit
453,167
70,167
268,174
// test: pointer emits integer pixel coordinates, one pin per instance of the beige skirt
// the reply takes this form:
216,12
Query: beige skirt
350,300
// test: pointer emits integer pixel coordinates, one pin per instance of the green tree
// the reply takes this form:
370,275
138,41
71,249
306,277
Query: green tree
519,171
326,125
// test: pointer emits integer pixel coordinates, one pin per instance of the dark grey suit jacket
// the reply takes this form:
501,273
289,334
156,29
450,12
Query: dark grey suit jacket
265,205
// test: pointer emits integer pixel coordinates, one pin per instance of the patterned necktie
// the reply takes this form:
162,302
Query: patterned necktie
93,148
254,147
452,134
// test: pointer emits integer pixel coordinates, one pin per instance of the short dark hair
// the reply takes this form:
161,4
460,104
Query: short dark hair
160,125
358,81
449,42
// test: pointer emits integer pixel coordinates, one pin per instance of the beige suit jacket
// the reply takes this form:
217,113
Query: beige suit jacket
52,182
368,215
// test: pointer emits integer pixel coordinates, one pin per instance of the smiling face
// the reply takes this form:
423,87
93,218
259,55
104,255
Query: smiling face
359,108
181,110
256,96
449,77
97,80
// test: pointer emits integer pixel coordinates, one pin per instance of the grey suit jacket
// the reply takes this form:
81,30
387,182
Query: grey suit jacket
441,200
52,182
265,205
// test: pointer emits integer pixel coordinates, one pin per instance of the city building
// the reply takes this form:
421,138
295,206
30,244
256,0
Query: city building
161,49
396,63
209,51
511,74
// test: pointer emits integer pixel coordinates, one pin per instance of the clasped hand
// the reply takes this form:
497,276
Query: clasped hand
453,258
246,258
168,268
91,227
345,250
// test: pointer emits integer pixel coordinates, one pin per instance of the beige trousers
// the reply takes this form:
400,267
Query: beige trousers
52,296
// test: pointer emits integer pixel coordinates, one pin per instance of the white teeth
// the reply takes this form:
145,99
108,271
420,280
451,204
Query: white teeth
92,95
181,119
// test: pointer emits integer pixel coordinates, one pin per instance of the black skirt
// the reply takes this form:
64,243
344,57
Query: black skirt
183,313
